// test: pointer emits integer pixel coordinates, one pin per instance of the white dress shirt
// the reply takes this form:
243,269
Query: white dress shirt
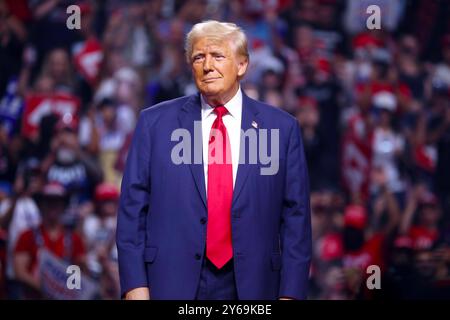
232,121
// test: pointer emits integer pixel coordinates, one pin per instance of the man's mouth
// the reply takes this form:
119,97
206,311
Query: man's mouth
210,80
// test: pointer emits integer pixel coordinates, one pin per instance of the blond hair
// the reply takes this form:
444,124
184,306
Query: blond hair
219,31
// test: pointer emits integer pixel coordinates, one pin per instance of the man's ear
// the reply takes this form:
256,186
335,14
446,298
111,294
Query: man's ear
242,66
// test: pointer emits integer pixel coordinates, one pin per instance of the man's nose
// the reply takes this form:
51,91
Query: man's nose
207,64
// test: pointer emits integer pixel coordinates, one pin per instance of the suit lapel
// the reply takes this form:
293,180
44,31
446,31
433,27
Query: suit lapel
249,119
191,112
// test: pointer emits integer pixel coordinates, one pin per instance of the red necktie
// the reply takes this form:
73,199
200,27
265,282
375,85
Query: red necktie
220,193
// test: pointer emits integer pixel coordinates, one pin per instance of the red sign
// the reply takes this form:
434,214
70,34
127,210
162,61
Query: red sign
88,60
356,159
38,106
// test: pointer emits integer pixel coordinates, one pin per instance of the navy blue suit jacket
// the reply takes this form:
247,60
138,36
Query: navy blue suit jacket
162,218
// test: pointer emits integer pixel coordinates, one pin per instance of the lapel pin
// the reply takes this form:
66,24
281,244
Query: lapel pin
254,125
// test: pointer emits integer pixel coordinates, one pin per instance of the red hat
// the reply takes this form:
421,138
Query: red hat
331,247
403,242
323,65
106,191
364,40
85,8
54,189
355,216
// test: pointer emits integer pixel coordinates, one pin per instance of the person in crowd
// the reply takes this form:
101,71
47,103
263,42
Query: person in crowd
51,235
68,164
18,213
99,230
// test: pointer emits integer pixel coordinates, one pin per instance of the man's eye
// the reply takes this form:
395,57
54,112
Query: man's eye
197,58
219,57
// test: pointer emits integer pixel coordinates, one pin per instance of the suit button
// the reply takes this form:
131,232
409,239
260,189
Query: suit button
203,220
197,256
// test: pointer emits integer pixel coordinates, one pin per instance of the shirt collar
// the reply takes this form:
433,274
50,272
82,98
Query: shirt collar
234,106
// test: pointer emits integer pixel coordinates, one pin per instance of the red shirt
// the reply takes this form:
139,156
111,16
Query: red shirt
370,254
422,237
27,243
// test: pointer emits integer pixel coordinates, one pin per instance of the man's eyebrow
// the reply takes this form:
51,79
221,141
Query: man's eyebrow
198,53
217,52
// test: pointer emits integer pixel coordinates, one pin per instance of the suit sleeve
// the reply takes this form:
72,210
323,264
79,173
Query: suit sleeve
133,207
295,230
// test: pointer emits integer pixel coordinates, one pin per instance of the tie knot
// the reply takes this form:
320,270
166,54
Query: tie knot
220,111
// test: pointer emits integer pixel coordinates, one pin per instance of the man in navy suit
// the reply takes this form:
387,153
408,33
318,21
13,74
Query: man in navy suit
205,211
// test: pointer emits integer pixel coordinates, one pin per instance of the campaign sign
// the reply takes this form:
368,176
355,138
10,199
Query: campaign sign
54,280
88,59
356,165
38,106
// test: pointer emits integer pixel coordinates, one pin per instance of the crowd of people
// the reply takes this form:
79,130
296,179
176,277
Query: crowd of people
373,106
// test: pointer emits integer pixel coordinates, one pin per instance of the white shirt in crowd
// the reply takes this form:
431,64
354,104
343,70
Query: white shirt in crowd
26,215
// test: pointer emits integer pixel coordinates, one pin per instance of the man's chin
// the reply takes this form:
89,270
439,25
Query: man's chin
210,92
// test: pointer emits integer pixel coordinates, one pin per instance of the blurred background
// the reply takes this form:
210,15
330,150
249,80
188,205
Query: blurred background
373,107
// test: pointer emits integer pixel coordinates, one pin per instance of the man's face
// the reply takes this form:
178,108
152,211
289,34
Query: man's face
216,68
53,208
